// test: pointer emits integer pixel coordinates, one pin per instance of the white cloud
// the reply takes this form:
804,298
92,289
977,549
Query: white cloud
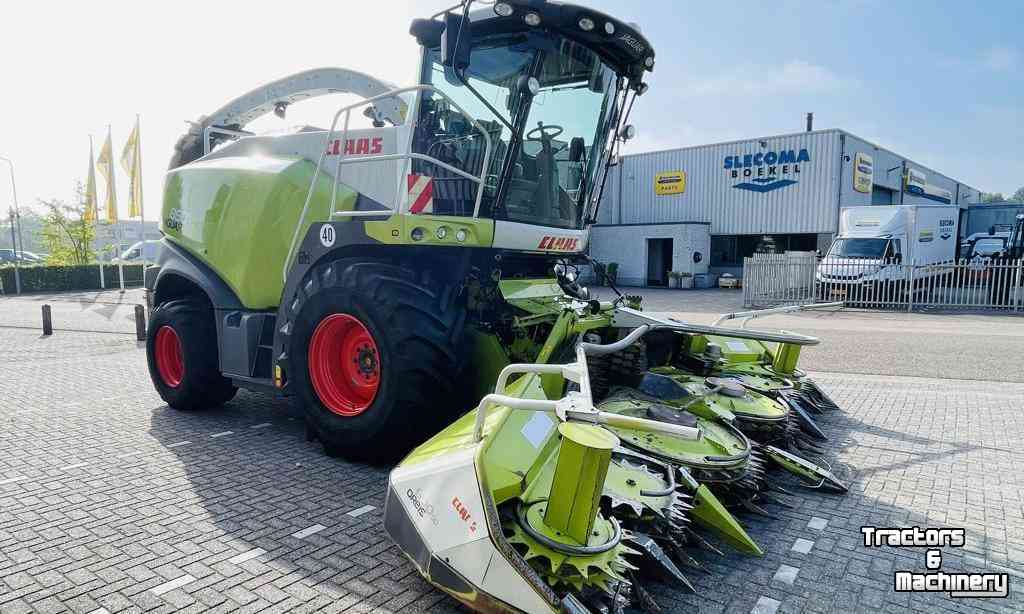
795,76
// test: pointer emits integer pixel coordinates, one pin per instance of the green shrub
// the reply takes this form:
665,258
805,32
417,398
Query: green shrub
62,278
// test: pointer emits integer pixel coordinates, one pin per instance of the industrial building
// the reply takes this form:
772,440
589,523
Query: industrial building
703,209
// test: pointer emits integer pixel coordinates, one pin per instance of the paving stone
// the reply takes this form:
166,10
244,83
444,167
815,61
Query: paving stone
85,530
803,546
786,575
766,605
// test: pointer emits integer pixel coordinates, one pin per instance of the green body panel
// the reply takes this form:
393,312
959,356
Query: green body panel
716,440
735,350
534,296
583,459
627,483
751,405
238,215
709,512
787,356
757,376
488,358
398,230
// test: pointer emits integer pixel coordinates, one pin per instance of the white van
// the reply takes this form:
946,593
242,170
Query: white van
874,243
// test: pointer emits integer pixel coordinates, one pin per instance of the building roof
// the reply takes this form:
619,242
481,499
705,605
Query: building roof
796,134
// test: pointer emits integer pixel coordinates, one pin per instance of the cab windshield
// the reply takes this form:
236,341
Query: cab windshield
546,148
873,249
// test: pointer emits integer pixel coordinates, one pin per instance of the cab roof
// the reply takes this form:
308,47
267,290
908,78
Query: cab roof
618,44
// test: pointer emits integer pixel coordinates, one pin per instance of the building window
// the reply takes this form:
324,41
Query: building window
729,251
882,196
725,251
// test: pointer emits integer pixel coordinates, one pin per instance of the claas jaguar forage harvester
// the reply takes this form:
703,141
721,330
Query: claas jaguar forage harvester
390,275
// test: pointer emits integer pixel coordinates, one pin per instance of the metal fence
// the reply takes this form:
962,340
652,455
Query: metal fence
782,279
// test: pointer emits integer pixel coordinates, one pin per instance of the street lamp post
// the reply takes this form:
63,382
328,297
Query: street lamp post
19,245
17,272
20,248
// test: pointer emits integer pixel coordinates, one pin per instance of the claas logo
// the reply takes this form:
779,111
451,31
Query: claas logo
357,147
559,244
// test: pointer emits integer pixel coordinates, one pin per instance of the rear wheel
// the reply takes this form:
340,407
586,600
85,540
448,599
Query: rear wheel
181,350
373,357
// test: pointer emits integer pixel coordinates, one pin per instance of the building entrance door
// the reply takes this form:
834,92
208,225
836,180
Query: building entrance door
659,261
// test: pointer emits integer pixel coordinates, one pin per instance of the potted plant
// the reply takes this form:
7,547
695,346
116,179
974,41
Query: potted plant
674,278
612,273
686,280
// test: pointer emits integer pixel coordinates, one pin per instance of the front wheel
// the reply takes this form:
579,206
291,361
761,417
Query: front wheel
181,350
374,357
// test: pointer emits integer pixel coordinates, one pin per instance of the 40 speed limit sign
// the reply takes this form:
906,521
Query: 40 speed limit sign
327,235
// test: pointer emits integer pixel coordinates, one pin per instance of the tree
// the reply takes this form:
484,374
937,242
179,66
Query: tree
1018,195
67,236
992,197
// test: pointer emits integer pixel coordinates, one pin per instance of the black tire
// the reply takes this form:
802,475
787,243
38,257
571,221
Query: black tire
417,326
201,385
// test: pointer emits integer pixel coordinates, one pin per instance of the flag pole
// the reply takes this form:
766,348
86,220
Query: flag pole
96,219
138,161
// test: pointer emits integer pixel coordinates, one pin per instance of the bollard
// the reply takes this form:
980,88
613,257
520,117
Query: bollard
140,323
120,275
47,321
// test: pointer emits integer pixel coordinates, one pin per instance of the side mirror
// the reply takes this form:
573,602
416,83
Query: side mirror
576,147
456,41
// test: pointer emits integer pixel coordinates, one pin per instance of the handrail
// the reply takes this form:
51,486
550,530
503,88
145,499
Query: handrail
623,317
757,313
575,406
347,111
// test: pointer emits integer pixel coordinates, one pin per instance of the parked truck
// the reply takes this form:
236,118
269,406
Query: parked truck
876,242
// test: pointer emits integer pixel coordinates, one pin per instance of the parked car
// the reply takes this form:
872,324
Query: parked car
984,244
143,251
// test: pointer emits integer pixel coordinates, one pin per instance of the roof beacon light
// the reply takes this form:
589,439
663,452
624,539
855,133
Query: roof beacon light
586,24
532,19
649,62
609,27
503,9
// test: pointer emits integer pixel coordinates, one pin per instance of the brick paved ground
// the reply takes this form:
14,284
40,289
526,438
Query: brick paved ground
110,500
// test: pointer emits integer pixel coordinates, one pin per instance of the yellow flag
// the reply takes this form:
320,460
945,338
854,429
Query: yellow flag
131,162
106,166
90,213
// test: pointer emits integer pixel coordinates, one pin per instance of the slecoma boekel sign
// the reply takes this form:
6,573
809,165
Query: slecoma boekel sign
766,171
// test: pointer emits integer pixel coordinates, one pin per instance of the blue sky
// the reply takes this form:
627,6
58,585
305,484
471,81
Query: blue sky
939,82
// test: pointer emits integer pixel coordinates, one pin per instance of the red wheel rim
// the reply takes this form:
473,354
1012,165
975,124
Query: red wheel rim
344,364
169,360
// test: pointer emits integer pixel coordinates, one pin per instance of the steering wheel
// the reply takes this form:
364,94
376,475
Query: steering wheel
544,132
